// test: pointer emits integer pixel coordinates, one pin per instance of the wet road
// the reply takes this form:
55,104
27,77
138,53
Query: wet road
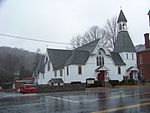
116,100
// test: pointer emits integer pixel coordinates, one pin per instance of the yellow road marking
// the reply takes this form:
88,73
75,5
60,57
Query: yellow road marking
122,108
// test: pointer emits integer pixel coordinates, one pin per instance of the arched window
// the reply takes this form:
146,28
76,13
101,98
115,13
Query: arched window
100,59
120,27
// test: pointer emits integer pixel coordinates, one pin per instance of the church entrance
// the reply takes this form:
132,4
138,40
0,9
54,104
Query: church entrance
101,75
131,75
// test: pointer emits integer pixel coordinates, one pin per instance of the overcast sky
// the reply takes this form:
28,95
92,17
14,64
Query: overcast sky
60,20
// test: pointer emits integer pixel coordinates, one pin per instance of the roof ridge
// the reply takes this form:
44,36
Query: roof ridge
88,43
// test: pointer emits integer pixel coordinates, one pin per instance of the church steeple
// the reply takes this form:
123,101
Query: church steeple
122,22
123,42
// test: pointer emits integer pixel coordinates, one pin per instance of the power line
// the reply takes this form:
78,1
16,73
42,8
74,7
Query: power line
31,39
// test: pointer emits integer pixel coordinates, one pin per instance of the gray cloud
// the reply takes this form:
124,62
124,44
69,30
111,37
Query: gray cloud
59,20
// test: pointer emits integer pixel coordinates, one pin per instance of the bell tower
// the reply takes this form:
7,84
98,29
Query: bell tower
122,22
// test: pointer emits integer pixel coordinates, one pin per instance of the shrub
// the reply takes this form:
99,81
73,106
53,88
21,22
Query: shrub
131,82
114,82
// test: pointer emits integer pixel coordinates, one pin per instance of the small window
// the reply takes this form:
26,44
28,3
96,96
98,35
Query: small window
79,70
124,26
48,66
67,70
61,72
43,76
119,70
55,73
120,27
132,56
127,55
100,53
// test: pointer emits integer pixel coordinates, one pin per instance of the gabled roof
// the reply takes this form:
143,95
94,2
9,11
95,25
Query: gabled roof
78,56
58,57
121,17
89,47
117,59
140,47
41,65
124,43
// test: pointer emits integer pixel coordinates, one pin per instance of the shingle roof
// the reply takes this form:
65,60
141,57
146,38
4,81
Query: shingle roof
117,59
78,57
41,65
124,43
121,17
58,57
140,47
89,47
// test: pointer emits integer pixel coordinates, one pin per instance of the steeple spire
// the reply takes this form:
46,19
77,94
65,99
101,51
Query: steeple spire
122,22
121,17
123,42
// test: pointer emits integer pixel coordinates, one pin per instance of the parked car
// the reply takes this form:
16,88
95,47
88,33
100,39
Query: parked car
28,88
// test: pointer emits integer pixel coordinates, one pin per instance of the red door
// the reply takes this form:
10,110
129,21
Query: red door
131,75
101,75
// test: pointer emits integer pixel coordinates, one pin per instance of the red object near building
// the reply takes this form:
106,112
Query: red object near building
28,88
101,75
131,75
143,60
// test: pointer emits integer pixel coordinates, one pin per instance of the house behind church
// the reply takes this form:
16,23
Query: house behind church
92,60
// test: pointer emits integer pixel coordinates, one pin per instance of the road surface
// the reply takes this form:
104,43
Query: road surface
98,100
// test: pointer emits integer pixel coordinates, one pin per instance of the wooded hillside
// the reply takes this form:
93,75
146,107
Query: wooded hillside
14,61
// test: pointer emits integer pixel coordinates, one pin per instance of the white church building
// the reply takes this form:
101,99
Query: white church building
92,60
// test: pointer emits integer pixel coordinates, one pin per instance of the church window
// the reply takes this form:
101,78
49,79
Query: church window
100,60
61,72
67,70
79,70
43,76
127,55
120,27
119,70
132,56
124,26
55,73
48,66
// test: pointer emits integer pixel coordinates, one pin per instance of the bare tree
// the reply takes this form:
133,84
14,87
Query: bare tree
76,41
92,34
107,35
110,32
